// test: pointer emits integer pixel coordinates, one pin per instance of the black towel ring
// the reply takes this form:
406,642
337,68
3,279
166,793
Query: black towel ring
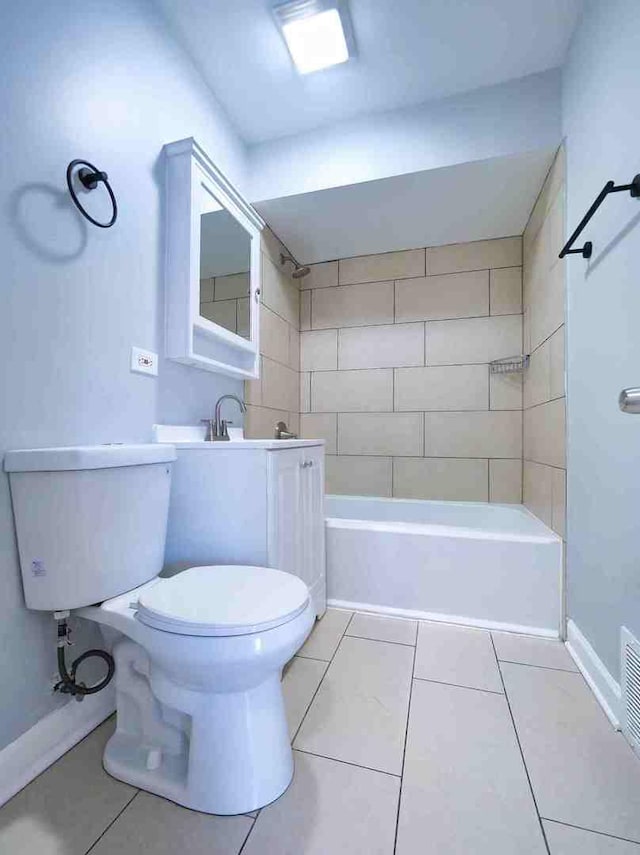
90,178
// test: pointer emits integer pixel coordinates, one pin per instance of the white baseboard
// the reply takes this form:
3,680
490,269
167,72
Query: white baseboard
30,754
593,669
411,614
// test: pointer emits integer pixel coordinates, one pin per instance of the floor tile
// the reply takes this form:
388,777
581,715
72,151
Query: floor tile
154,826
464,787
383,628
456,655
66,809
325,635
359,714
565,840
329,809
543,652
299,684
582,771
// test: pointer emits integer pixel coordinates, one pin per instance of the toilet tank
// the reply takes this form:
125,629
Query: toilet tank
91,521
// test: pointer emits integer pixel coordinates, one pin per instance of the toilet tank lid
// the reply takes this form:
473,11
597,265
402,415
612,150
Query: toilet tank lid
87,457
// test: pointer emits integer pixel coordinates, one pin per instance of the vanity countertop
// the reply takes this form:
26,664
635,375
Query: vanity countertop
240,444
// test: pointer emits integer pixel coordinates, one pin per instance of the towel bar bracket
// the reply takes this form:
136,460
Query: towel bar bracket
586,251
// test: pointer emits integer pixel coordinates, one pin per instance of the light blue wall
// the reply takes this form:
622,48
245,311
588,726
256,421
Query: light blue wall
602,127
103,81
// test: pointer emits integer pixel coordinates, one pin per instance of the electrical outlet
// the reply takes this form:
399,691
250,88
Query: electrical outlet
144,361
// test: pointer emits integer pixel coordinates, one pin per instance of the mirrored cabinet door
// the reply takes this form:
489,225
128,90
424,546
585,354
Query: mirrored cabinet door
213,267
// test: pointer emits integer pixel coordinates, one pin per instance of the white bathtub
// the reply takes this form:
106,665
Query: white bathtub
474,563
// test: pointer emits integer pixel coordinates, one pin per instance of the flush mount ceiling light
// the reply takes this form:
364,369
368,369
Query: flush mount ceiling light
317,33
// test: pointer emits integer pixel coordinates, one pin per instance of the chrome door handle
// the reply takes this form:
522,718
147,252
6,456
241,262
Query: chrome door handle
629,401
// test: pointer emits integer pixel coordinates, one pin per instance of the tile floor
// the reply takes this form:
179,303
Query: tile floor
409,738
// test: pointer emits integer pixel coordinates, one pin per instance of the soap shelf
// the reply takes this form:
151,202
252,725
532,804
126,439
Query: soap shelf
509,364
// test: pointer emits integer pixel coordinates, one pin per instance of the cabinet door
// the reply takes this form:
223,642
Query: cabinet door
313,539
285,510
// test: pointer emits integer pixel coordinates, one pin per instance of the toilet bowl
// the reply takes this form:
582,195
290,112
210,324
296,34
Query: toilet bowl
199,658
198,655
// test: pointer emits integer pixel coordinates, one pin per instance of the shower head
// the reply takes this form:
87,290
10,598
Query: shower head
299,271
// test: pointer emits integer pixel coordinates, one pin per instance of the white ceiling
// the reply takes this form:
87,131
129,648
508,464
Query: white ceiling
471,201
409,51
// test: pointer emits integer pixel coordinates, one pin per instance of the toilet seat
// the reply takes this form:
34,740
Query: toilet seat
222,601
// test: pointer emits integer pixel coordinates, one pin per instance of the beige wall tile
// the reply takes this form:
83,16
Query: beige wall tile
274,336
456,295
260,422
206,290
352,391
358,476
222,313
545,299
425,478
389,346
479,255
381,434
293,423
231,287
544,433
280,386
279,293
558,501
387,265
305,392
323,275
490,434
319,350
505,391
554,183
538,490
253,390
447,387
271,245
506,291
320,426
352,305
505,481
473,340
556,360
537,378
305,310
294,349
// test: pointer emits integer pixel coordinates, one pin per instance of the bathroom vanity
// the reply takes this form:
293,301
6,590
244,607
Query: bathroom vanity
256,502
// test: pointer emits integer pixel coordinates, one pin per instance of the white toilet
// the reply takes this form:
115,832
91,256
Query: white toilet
199,655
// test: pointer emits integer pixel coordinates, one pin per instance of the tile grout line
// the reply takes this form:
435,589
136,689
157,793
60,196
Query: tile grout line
113,821
326,671
517,735
294,737
542,667
348,763
404,747
379,640
459,686
592,831
246,840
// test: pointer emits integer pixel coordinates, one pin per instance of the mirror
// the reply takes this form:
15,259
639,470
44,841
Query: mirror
225,264
213,267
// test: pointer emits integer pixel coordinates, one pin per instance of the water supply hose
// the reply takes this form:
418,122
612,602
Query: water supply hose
68,685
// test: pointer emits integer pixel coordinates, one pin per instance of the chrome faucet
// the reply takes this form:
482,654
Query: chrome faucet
217,427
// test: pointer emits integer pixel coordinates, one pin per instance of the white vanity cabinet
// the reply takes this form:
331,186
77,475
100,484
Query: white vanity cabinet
250,502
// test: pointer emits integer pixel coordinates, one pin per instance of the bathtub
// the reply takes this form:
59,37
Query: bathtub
486,565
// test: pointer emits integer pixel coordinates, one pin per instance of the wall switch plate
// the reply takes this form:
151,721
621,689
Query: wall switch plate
144,361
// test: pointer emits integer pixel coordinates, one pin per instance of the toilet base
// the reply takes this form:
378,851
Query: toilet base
220,753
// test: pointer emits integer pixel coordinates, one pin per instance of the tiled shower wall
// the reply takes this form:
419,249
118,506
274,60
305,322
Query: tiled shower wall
395,377
544,387
275,396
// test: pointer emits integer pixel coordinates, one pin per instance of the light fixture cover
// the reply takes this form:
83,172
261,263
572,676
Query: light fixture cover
317,33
